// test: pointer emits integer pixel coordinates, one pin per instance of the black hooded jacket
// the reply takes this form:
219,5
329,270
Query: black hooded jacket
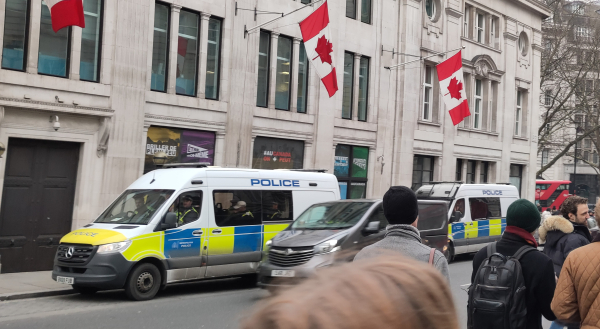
561,236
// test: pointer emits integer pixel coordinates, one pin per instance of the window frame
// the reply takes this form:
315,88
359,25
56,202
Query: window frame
218,55
291,67
268,73
370,11
459,170
484,169
480,35
548,97
264,207
429,100
233,190
26,41
198,37
168,43
100,38
487,200
306,78
518,114
349,179
351,109
431,172
366,92
545,156
466,22
478,112
355,8
433,9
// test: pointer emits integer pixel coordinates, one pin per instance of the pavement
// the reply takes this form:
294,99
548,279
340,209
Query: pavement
31,285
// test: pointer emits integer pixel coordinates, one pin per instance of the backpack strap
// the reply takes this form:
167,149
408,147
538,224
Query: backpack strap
491,249
522,251
431,254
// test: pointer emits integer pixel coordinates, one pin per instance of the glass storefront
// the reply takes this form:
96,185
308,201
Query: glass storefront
180,145
275,153
350,168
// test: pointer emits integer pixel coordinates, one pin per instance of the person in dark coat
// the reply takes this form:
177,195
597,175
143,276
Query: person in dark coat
522,219
554,211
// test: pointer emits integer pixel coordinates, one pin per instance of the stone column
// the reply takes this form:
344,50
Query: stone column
251,151
465,165
355,87
203,56
273,69
478,172
33,46
294,77
75,53
219,148
308,159
370,172
173,42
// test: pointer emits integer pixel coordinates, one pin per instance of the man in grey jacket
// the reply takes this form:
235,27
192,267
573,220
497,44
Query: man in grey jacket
401,209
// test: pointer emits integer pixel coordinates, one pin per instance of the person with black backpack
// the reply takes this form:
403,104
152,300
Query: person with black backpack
513,283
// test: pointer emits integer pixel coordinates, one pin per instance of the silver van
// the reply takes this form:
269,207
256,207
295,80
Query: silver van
331,232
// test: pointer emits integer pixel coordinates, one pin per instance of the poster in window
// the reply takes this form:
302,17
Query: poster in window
275,153
341,165
360,159
161,139
197,147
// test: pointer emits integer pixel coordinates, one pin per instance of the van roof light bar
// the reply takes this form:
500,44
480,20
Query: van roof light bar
184,165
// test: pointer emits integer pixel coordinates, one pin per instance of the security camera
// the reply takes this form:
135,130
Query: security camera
55,122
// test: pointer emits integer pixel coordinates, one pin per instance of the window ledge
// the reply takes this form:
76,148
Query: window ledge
479,131
429,123
521,138
481,45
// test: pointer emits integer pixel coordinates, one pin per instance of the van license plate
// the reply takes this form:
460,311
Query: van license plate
65,280
283,273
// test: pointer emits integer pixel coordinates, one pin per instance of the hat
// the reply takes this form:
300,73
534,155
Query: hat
400,205
239,204
187,197
522,213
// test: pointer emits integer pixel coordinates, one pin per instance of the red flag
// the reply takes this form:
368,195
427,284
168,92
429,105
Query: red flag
66,13
319,48
450,75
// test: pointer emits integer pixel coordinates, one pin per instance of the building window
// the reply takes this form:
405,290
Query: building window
582,33
187,53
275,153
480,27
548,97
587,143
363,88
478,104
91,41
351,9
427,93
518,114
54,47
160,48
466,22
523,43
545,154
302,79
262,88
348,84
306,2
595,157
483,174
16,31
365,11
459,167
213,59
422,171
470,172
351,169
430,9
283,73
516,176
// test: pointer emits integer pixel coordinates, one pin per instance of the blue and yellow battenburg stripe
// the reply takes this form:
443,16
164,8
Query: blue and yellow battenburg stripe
475,229
241,238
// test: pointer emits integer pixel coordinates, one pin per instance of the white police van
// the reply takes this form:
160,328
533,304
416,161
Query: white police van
181,224
477,214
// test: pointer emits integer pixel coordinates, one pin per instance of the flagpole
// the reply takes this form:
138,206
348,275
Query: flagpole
282,16
420,58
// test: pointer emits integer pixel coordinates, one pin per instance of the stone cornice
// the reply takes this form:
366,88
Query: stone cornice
200,123
510,36
453,12
55,107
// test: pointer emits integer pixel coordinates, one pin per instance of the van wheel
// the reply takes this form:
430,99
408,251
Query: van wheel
85,290
143,282
449,253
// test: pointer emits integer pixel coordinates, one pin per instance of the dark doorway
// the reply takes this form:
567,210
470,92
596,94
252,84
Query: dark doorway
37,202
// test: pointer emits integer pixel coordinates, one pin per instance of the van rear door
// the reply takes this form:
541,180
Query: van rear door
433,223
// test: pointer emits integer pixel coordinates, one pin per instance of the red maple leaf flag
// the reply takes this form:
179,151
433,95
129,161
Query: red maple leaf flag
318,45
450,75
66,13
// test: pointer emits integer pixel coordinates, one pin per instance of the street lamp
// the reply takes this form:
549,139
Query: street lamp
578,132
160,158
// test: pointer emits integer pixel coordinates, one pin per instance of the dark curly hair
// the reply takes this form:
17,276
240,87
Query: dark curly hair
570,205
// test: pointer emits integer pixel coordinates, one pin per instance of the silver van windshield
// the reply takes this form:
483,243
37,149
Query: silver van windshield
331,216
135,207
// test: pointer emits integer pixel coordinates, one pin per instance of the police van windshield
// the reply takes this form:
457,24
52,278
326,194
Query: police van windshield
331,216
135,207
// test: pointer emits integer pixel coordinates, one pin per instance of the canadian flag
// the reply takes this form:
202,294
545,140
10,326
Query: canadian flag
66,13
317,42
450,74
182,45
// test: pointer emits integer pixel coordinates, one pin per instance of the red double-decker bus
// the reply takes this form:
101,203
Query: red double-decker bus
551,193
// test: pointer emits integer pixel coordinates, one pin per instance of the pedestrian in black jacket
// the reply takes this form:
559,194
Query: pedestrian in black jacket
522,219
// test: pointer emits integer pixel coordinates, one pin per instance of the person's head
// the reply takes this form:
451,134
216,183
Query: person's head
139,200
400,206
275,206
240,206
387,292
460,205
186,201
524,214
575,209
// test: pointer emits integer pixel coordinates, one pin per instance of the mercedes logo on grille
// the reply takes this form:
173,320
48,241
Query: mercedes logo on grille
70,252
288,251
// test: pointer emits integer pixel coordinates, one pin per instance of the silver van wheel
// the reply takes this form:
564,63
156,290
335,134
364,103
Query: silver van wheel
143,282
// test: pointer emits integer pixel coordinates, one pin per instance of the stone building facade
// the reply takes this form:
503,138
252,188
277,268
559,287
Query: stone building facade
183,77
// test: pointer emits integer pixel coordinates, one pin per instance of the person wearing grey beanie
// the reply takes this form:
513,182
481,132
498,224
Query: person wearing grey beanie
401,210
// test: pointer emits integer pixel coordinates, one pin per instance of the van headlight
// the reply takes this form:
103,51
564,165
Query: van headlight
269,243
113,247
327,247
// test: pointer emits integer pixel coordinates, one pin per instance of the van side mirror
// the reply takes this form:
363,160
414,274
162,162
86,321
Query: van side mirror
456,216
169,222
372,228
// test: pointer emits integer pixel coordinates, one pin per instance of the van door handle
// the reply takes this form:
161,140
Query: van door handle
197,233
216,231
